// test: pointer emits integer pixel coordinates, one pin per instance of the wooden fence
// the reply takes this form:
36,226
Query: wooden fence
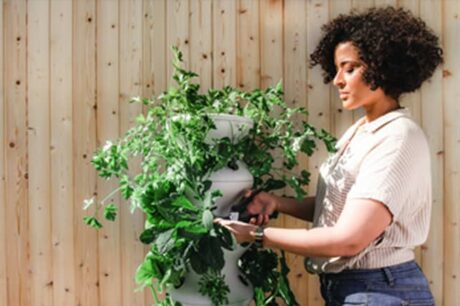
67,69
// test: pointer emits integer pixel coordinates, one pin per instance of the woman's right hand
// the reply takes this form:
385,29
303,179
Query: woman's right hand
263,205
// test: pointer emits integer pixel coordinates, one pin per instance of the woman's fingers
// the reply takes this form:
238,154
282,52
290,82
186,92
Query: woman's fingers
260,219
266,218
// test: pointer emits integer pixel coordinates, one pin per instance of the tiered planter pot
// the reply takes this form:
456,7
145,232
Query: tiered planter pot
231,183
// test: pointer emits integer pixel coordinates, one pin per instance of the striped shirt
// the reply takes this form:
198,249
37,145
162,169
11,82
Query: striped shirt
387,160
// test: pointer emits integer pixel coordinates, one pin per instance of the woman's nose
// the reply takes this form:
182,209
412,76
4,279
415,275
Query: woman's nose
338,80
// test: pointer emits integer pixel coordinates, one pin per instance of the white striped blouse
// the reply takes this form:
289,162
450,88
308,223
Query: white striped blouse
387,160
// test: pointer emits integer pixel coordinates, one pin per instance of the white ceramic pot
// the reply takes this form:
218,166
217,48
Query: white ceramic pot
240,293
231,183
231,126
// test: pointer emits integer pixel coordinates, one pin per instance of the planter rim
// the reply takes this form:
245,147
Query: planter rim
224,116
218,117
229,181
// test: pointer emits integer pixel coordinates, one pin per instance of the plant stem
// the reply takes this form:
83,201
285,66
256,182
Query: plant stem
154,293
109,195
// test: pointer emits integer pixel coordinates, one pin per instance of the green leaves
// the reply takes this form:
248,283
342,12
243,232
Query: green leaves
207,219
328,140
207,255
147,236
261,268
170,162
110,212
146,272
110,160
227,240
92,221
164,241
284,289
272,184
214,286
126,189
184,203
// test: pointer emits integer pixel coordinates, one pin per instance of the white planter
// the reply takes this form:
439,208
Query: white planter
231,126
240,293
232,183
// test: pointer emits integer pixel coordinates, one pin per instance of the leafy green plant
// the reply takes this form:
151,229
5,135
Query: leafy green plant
173,190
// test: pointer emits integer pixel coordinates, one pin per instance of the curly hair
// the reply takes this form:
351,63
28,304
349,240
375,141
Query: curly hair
399,50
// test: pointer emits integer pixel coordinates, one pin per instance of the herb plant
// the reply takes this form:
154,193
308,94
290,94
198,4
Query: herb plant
173,190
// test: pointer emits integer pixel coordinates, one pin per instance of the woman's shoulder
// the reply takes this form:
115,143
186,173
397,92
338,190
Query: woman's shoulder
407,135
405,128
398,124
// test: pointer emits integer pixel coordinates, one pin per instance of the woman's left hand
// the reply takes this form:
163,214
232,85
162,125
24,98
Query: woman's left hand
243,232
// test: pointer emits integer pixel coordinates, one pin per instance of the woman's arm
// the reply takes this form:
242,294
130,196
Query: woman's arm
264,204
302,210
361,222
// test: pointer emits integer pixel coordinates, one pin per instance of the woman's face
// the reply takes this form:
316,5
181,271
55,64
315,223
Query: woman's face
353,91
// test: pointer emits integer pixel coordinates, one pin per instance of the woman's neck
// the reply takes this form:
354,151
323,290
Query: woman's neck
380,108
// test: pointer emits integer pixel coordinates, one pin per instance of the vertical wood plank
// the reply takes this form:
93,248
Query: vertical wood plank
132,251
271,59
62,153
177,12
109,255
271,54
154,47
84,133
154,63
3,146
342,119
451,35
224,40
17,217
362,5
432,123
38,108
319,111
271,42
383,3
248,45
295,60
412,101
201,41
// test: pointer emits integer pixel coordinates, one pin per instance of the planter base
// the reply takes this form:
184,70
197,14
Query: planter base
240,293
243,303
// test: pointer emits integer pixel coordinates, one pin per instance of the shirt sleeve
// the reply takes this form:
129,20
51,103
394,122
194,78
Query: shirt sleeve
385,174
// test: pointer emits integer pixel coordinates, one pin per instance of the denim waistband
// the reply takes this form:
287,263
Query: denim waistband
378,273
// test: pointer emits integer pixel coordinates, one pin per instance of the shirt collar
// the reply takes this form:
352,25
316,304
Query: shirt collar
372,126
348,134
376,124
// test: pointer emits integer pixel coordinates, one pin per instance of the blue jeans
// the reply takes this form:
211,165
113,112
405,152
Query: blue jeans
402,284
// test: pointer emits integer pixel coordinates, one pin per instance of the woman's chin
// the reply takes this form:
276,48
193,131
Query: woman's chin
349,105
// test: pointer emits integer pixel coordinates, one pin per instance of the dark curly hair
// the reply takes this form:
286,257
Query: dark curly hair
399,50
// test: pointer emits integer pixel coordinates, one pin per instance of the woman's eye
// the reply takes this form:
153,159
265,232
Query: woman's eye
350,70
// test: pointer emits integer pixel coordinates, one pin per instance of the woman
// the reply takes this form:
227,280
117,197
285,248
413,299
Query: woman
372,205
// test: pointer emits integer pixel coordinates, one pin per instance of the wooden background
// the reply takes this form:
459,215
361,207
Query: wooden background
67,69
